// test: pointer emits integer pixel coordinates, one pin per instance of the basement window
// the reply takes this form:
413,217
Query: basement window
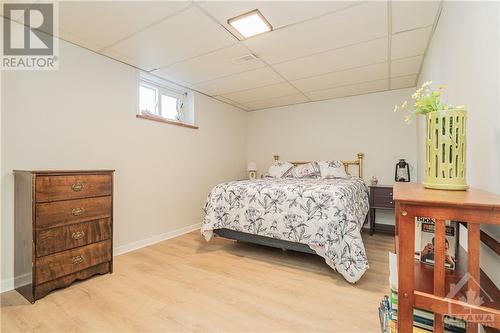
159,101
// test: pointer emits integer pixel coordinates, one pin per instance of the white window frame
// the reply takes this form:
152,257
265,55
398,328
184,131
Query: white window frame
161,88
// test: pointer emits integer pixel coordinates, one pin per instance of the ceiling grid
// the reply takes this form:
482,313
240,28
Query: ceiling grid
317,50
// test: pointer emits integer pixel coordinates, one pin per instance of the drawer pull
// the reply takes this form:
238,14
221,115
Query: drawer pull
78,234
77,187
77,260
78,211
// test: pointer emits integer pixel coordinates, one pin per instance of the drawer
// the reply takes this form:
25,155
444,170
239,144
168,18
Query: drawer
53,188
383,201
63,263
58,239
59,213
382,191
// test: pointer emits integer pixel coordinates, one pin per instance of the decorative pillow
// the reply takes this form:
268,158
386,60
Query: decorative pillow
306,170
332,169
279,169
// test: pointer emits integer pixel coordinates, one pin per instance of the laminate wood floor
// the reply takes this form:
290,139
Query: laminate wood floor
187,285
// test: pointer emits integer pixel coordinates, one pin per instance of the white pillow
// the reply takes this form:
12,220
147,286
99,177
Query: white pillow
279,169
332,169
310,169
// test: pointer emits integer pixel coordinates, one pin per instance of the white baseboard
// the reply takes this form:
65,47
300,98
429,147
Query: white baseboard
8,284
155,239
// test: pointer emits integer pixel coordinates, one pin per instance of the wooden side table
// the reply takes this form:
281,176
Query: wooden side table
466,292
380,198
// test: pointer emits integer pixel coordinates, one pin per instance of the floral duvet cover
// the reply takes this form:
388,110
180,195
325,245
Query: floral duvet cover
325,214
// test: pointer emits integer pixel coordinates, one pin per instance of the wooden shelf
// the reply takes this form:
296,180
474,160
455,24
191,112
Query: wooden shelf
424,280
165,121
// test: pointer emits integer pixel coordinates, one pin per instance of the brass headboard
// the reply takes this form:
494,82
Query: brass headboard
358,162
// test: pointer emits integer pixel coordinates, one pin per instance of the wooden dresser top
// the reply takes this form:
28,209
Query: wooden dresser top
416,193
63,172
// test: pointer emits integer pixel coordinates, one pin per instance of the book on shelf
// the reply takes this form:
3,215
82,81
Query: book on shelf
426,234
423,321
424,241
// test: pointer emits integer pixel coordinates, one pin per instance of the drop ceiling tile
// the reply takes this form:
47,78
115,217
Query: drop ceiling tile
178,82
210,66
340,59
96,24
241,81
352,25
230,102
407,15
278,101
404,82
351,90
188,34
410,43
278,13
342,78
271,91
406,66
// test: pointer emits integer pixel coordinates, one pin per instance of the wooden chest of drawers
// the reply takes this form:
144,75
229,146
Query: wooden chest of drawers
63,228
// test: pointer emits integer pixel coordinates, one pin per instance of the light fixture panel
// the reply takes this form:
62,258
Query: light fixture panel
250,24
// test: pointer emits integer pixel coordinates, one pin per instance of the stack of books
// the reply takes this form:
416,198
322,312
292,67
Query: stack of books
387,323
423,321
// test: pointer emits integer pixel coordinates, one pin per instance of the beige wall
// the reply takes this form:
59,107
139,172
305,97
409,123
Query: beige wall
83,117
464,56
337,129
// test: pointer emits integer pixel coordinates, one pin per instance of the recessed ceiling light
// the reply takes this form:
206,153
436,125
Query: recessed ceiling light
250,24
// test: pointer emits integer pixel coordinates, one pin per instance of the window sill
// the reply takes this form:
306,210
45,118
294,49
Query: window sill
165,121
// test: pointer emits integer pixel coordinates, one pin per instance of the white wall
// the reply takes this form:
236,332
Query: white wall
83,117
337,129
464,56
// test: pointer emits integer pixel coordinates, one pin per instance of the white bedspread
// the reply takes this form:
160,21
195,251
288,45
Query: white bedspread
325,214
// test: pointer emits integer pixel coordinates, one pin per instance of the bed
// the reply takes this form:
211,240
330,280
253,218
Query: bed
314,215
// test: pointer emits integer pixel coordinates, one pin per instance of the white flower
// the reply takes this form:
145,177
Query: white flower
405,104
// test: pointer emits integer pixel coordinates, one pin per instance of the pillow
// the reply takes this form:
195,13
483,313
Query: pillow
310,169
332,169
279,169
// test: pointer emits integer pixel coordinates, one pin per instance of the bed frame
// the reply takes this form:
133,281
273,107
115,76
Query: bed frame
278,243
347,163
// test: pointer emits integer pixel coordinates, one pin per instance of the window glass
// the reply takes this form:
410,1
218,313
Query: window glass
147,99
169,107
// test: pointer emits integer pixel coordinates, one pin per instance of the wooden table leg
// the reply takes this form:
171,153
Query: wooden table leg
473,267
405,249
372,221
439,269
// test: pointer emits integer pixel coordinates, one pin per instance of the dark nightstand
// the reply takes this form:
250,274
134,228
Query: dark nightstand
380,198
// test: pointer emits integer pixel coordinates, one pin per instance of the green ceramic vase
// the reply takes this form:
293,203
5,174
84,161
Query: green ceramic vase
445,150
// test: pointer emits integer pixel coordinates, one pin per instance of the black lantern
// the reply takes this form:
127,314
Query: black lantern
402,173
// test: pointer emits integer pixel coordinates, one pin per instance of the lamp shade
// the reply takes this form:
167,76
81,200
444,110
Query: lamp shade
252,166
